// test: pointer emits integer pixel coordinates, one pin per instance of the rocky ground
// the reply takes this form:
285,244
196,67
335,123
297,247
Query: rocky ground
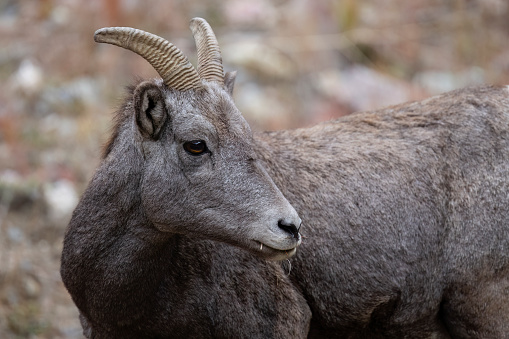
299,62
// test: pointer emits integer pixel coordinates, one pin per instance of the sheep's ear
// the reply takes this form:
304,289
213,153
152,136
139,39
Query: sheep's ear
150,109
229,81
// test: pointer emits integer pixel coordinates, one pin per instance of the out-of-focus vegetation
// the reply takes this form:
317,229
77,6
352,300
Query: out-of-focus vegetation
299,62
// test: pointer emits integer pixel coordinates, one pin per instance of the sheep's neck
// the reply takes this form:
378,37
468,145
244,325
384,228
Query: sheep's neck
114,260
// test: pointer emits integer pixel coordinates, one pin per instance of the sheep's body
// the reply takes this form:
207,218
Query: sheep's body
405,210
406,217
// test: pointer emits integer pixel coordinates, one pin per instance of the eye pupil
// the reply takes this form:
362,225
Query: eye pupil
195,147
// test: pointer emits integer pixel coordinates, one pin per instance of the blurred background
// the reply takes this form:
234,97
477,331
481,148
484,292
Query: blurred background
299,62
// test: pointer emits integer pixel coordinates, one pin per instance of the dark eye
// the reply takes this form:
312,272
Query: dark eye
195,147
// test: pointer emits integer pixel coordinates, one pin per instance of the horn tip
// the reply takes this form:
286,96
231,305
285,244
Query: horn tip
97,34
197,21
101,33
106,34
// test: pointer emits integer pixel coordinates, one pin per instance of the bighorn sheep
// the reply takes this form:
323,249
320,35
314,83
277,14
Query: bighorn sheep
405,211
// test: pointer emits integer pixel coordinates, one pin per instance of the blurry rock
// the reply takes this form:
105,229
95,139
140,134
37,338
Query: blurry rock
10,295
251,12
16,193
494,7
436,82
71,97
88,89
31,287
10,177
363,89
28,77
261,106
9,10
61,198
261,59
64,127
15,234
61,15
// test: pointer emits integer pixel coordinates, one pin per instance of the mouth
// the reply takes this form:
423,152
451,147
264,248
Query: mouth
272,253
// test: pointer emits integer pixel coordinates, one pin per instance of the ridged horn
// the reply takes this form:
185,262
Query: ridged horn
169,62
210,63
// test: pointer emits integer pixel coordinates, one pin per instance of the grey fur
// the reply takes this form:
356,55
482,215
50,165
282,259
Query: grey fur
405,213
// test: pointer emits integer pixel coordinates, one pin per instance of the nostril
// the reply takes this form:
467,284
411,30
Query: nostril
289,228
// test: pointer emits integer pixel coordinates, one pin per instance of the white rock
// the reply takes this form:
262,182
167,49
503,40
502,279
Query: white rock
61,198
29,76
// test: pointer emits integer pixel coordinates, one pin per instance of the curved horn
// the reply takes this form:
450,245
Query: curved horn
210,64
169,62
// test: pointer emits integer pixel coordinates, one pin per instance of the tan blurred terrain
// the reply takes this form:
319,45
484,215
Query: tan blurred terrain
298,62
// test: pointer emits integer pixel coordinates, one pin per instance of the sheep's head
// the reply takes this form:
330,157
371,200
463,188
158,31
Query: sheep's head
201,176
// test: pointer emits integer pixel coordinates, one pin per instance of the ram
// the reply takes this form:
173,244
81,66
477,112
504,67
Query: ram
179,233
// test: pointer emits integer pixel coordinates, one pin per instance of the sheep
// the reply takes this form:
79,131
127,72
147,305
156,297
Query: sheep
179,233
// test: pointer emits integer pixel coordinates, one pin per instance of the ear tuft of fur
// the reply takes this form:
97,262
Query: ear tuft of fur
229,81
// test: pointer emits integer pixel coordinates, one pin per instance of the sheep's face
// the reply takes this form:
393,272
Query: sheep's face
201,176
